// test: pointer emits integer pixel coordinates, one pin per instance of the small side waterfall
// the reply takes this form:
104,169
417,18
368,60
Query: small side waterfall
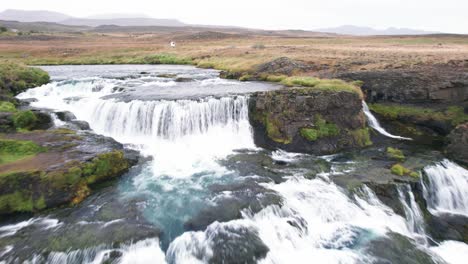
374,123
413,214
446,188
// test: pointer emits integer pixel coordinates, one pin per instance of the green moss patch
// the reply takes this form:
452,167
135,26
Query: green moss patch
400,170
361,137
454,114
24,120
272,127
321,129
29,191
13,150
16,78
394,153
7,107
273,131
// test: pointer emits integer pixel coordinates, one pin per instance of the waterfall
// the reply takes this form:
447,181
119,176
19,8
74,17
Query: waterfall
164,119
374,123
446,188
413,214
316,221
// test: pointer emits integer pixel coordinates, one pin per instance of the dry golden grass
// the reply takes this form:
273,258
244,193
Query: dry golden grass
329,55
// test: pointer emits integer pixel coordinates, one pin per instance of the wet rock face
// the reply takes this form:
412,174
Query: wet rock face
282,66
448,227
458,144
63,172
307,120
397,249
65,116
437,84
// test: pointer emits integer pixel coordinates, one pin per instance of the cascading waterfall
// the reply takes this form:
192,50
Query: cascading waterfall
165,119
413,214
374,123
315,220
446,188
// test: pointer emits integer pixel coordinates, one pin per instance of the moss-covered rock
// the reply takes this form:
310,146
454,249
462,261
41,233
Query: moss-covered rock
400,170
321,128
441,121
16,78
33,178
394,153
308,120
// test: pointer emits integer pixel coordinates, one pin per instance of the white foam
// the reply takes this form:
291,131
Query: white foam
453,252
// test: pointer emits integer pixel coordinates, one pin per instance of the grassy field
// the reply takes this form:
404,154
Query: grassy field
234,52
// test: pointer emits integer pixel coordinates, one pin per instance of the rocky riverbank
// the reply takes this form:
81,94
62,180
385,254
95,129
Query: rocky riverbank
44,167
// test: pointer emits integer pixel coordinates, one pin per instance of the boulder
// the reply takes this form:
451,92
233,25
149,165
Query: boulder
308,120
43,120
65,116
81,125
282,66
457,147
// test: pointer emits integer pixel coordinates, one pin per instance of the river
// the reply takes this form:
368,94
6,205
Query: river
204,193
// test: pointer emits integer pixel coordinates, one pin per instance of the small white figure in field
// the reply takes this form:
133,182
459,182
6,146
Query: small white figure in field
173,44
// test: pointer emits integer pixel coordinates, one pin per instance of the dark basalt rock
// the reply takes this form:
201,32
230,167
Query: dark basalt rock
397,249
44,120
282,66
457,147
236,245
81,125
183,79
278,118
439,83
448,227
246,195
65,116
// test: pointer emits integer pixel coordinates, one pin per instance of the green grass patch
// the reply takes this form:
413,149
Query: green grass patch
7,107
16,78
454,114
395,153
166,59
13,150
334,85
321,129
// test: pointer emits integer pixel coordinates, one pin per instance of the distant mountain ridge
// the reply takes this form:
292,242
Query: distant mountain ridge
32,16
368,31
141,20
107,19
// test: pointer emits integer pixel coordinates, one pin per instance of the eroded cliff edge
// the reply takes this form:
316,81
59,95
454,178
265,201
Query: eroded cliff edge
309,120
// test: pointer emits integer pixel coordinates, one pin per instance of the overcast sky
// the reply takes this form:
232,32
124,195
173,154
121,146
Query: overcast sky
432,15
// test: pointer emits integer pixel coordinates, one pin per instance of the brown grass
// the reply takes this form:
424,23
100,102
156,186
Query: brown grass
327,54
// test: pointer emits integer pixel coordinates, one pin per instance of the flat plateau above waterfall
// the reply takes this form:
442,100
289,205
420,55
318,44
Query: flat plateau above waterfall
158,82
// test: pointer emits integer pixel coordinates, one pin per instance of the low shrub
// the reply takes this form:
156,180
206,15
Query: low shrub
24,119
